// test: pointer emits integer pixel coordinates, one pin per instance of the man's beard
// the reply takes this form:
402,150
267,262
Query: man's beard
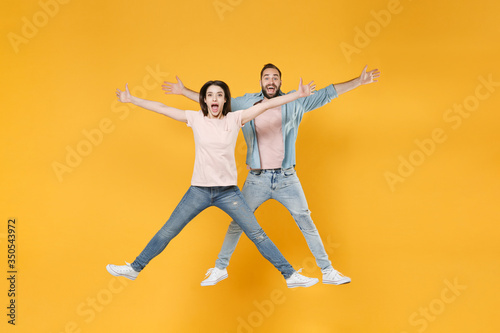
276,91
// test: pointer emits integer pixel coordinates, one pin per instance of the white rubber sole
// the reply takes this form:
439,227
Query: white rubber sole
337,283
305,285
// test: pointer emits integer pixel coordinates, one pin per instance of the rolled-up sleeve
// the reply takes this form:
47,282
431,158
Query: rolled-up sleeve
244,102
319,98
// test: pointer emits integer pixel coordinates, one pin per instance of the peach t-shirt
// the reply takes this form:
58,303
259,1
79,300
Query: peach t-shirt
215,141
270,138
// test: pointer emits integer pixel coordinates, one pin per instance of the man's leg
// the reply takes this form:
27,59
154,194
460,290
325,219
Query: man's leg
288,191
256,190
233,203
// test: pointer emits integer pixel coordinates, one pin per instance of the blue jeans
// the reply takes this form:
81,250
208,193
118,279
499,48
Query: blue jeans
231,201
283,186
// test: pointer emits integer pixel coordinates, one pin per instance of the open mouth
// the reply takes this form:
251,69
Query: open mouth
214,108
271,89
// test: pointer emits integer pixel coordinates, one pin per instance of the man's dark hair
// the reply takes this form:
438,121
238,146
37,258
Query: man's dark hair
269,66
227,96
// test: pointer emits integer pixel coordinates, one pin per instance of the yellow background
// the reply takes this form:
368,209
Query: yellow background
403,243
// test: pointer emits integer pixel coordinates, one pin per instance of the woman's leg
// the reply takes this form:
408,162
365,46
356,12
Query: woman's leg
255,193
194,201
232,202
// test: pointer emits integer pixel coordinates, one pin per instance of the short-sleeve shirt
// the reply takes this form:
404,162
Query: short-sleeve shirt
215,142
270,138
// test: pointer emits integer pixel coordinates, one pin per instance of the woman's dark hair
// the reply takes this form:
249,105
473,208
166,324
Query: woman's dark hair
227,96
269,66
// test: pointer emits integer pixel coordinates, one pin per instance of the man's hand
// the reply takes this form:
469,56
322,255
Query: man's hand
173,88
124,96
306,90
368,77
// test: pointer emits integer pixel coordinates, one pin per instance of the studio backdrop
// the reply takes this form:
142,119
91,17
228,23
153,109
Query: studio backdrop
401,176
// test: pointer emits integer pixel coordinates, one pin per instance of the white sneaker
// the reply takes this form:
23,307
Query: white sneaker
215,275
333,276
297,280
125,270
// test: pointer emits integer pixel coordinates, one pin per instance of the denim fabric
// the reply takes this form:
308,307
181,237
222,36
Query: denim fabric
283,186
231,201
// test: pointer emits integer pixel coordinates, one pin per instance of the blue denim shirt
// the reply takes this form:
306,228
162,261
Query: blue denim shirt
291,117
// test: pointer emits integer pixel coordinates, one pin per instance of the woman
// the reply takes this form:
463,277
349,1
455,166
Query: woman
214,181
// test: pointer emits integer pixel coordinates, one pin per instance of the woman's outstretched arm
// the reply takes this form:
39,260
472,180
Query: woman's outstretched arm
254,111
126,97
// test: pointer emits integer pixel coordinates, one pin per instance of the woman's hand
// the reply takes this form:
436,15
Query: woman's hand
124,96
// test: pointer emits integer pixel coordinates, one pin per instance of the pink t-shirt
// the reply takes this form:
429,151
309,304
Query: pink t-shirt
215,141
270,139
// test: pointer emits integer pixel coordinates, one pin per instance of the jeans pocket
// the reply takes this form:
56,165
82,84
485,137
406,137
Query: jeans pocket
255,172
289,172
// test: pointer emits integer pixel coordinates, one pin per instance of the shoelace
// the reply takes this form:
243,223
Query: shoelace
300,277
209,272
334,272
122,269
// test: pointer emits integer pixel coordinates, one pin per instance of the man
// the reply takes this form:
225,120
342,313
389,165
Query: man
270,140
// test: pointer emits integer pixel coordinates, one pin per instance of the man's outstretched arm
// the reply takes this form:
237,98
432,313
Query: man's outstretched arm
364,78
179,89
